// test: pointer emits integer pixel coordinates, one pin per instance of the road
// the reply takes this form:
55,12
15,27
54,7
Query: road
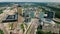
33,26
56,19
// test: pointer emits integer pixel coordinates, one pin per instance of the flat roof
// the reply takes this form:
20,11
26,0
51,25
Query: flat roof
11,18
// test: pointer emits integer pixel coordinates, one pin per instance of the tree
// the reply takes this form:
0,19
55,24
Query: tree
1,32
39,32
22,27
48,32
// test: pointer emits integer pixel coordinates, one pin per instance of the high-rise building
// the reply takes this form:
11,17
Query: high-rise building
20,10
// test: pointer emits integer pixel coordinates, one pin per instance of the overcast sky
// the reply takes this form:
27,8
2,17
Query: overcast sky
29,0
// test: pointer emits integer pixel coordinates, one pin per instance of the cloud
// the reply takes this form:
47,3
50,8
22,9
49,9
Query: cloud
29,0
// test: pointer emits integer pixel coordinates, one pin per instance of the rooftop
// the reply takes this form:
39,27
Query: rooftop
10,18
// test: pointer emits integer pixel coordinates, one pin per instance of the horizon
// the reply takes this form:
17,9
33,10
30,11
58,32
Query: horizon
58,1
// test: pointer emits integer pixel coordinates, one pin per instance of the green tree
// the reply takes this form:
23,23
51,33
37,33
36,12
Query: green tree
48,32
1,11
22,27
59,31
39,32
1,32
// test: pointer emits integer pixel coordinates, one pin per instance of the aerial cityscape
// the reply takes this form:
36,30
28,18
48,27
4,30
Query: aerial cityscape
29,18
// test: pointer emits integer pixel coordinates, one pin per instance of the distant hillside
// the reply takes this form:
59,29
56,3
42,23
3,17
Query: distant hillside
2,4
57,10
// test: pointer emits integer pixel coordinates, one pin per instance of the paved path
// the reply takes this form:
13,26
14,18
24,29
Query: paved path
56,19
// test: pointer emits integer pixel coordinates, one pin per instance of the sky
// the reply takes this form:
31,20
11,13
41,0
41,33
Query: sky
29,0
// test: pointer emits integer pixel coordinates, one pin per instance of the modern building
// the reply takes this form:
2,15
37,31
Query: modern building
41,15
28,14
20,10
10,18
50,15
32,14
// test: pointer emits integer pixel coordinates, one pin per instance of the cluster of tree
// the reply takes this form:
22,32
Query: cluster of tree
1,11
41,32
1,32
